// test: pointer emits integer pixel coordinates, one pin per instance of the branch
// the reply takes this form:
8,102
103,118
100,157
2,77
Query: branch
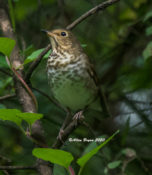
142,102
17,167
26,87
5,159
134,112
135,125
5,97
92,11
143,116
67,131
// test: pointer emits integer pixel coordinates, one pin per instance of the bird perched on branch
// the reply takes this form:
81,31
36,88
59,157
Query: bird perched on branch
71,76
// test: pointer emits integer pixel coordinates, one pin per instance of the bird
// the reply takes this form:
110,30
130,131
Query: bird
72,78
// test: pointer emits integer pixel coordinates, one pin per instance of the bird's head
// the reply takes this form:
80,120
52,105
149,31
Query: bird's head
64,39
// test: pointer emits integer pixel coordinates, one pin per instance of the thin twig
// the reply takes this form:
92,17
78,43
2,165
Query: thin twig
92,11
17,167
143,116
142,102
137,124
20,78
5,159
5,97
134,112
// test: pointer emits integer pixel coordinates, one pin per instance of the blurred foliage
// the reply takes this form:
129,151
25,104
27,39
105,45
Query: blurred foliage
118,42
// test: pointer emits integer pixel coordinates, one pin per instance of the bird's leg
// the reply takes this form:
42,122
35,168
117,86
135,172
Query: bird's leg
64,125
78,116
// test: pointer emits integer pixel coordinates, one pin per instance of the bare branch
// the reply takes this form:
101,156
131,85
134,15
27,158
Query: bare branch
137,124
134,112
142,102
92,11
17,167
5,97
143,116
5,159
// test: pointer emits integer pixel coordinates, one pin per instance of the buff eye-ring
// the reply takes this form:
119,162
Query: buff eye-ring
63,34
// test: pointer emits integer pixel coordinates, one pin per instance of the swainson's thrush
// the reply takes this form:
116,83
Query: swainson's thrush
71,76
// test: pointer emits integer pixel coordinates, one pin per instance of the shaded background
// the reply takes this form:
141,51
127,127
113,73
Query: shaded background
118,42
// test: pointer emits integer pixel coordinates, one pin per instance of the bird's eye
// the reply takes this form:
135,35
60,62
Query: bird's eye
63,34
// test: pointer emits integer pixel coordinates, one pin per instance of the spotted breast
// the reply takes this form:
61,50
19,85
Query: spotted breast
70,80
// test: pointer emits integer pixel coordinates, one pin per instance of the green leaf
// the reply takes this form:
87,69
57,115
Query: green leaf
106,171
147,16
6,45
84,45
149,30
56,156
35,54
28,51
17,116
3,62
11,11
90,147
147,51
84,159
10,115
30,118
57,169
139,3
4,84
114,164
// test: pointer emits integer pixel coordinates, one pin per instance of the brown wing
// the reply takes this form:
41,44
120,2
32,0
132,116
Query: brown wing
93,74
100,93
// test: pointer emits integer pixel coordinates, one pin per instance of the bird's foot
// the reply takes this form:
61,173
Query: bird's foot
78,116
61,132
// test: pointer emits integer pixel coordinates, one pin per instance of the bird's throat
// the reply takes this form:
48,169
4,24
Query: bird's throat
53,43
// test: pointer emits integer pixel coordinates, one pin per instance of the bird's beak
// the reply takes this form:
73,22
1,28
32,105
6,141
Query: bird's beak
48,32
